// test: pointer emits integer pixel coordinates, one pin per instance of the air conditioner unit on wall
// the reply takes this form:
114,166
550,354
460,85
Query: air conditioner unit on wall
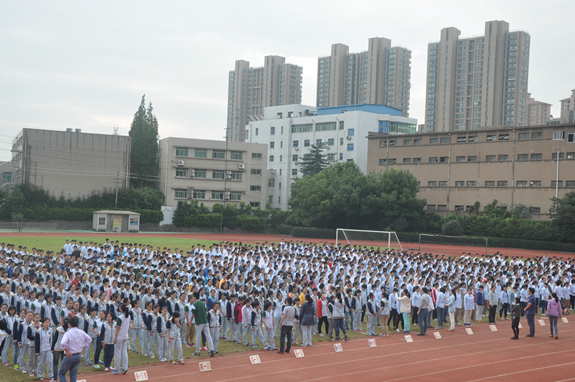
180,163
227,195
192,173
190,194
296,148
241,166
348,137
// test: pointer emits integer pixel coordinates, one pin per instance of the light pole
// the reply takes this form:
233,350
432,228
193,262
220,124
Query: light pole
227,137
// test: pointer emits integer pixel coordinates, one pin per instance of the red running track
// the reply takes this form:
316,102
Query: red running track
448,250
483,356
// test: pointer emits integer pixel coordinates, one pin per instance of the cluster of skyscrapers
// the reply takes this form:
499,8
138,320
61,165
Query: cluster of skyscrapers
474,82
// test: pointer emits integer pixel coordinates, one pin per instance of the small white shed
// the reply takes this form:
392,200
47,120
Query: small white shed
116,221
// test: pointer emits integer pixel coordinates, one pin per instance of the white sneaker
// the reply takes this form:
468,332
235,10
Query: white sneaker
321,335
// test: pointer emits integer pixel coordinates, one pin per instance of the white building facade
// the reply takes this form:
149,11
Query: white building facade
291,130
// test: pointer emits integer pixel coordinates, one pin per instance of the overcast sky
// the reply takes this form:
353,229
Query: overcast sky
86,64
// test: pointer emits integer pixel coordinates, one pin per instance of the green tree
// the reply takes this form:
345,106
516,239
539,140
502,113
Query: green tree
315,161
563,217
144,147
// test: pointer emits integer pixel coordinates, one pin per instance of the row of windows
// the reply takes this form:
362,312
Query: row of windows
216,154
201,194
474,158
500,183
443,207
216,174
557,135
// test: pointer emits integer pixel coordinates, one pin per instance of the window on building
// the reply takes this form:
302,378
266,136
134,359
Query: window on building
433,141
281,157
521,183
218,154
490,137
461,139
218,174
318,142
416,160
443,159
255,204
306,143
442,207
570,155
272,145
181,173
294,172
294,158
431,207
295,143
571,136
382,161
331,141
472,158
535,183
200,153
570,183
523,136
331,157
271,158
417,141
350,147
255,188
255,171
271,182
460,158
393,142
554,183
391,160
558,135
181,151
522,156
257,131
407,142
445,140
537,135
433,160
199,194
490,158
272,130
472,138
236,175
534,210
561,156
200,174
502,158
180,193
443,183
459,208
257,155
503,137
536,156
489,183
471,183
237,155
340,156
501,183
459,183
432,183
350,132
406,160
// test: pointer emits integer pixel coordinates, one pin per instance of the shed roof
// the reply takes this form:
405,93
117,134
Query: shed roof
112,212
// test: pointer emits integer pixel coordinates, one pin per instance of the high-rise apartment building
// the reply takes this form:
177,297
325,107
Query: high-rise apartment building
252,89
538,113
478,81
379,76
568,108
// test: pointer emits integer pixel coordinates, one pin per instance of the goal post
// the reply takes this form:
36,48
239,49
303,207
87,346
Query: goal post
362,237
473,241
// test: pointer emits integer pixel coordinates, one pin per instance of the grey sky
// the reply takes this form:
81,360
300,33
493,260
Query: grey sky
86,64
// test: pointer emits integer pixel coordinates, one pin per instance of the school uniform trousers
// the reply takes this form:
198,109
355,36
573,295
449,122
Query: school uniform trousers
269,338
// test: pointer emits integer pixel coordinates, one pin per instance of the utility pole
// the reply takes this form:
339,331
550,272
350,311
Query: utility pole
117,181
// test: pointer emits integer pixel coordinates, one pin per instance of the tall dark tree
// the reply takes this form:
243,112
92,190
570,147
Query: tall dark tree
313,162
144,151
563,217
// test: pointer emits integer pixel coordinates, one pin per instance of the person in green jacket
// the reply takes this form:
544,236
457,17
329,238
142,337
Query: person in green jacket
200,314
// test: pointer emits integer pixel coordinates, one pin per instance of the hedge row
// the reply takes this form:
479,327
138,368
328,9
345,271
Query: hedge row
44,213
410,237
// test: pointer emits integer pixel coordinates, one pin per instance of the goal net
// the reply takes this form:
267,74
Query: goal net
381,239
464,241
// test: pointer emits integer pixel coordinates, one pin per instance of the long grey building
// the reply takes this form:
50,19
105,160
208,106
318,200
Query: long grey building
478,81
71,163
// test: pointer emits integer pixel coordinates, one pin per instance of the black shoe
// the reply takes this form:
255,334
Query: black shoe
529,335
514,338
345,339
420,334
212,353
287,351
280,352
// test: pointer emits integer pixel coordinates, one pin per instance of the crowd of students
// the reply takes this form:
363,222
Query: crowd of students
156,301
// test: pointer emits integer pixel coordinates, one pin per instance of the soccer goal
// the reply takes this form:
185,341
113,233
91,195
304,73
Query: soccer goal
472,241
387,239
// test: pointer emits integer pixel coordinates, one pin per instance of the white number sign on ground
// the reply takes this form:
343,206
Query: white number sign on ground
408,338
205,366
372,343
338,348
141,375
565,320
298,353
437,335
469,331
541,322
255,359
493,328
520,326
